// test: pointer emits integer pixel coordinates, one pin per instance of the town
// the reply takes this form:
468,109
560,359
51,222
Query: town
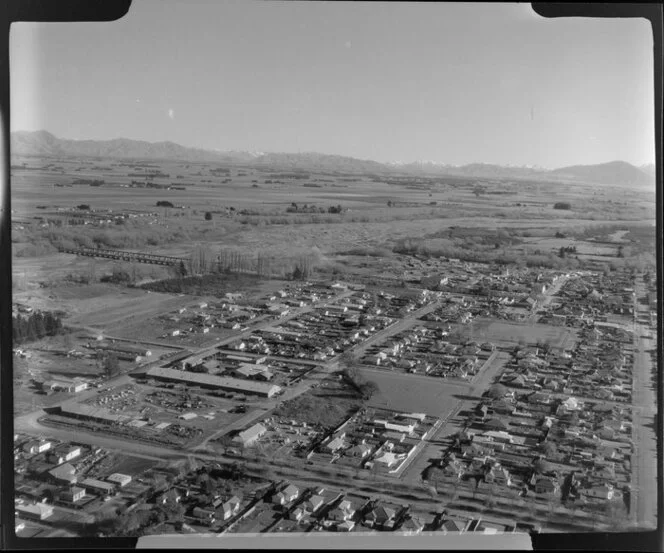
517,393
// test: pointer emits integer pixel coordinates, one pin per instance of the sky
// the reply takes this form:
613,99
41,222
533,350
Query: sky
453,83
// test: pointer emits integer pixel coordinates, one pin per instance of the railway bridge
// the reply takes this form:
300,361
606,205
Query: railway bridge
138,257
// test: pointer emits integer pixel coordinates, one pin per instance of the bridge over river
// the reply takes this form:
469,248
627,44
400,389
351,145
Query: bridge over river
139,257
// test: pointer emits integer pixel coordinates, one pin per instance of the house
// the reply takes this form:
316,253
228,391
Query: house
296,514
498,475
342,512
345,526
360,450
36,446
230,507
251,435
412,525
169,496
380,516
37,511
314,503
453,525
97,486
335,444
389,458
603,491
546,486
73,494
119,479
63,474
203,515
285,496
496,424
63,454
454,468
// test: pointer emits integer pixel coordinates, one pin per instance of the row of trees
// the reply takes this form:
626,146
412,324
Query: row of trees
367,388
36,326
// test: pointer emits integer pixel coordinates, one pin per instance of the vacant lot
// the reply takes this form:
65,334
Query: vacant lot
505,333
412,393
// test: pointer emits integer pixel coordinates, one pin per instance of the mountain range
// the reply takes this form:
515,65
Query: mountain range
43,143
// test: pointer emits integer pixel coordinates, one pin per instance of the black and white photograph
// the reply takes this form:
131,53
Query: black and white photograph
382,269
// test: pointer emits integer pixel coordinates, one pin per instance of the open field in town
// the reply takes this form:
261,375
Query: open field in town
416,394
511,334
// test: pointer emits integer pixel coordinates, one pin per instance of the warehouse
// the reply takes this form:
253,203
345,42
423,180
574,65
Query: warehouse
212,381
88,412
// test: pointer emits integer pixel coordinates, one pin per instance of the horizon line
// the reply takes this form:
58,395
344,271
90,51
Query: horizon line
534,167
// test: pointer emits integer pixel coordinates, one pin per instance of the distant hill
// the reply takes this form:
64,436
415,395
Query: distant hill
44,143
614,172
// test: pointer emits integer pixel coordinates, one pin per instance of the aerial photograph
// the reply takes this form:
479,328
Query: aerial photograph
338,267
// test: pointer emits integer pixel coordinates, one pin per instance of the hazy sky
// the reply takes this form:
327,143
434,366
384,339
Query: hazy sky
455,83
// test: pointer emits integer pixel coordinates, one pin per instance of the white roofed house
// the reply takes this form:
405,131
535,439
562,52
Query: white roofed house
336,443
342,512
251,435
314,503
36,511
230,507
63,454
121,480
285,496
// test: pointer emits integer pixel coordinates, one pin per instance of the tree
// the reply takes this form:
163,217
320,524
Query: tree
369,389
110,365
497,391
549,449
541,466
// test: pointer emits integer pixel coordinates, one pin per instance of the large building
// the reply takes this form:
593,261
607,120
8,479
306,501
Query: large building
249,436
91,413
213,381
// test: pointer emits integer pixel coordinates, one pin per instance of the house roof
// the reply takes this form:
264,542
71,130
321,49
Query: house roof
382,513
213,380
65,471
453,525
252,432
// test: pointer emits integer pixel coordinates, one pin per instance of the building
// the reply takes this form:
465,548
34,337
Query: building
212,381
231,507
73,494
251,435
285,496
98,486
314,503
36,446
63,474
91,413
70,386
342,512
36,511
253,371
121,480
603,491
382,517
63,454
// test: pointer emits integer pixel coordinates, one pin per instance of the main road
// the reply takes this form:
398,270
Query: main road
644,421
